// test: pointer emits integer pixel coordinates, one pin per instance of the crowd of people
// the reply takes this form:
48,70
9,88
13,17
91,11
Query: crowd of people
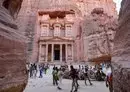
75,74
34,68
83,72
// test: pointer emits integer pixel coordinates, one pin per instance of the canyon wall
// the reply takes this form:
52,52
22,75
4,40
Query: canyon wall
13,75
27,20
98,33
121,55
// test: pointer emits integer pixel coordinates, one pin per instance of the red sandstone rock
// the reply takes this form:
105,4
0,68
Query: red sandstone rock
98,33
121,55
13,76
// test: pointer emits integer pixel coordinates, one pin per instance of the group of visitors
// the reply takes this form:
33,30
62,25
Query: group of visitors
57,76
82,72
73,73
33,69
43,68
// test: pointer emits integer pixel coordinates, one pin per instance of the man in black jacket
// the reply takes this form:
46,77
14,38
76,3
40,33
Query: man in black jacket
74,76
86,76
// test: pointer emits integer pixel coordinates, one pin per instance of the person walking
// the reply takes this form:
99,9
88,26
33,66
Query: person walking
60,75
41,71
31,70
55,77
86,76
35,70
109,82
74,76
45,69
27,67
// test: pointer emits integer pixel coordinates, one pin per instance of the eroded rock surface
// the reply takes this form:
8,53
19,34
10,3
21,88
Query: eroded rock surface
121,58
98,33
13,76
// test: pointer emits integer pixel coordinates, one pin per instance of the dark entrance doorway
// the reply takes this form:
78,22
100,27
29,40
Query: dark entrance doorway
56,52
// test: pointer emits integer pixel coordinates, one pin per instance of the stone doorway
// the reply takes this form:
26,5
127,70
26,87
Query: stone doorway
57,52
63,53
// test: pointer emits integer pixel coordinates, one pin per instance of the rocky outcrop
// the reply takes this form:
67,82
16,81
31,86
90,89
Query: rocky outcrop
98,34
121,55
86,6
13,76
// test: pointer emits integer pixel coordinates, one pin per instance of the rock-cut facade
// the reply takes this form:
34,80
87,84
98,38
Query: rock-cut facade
56,29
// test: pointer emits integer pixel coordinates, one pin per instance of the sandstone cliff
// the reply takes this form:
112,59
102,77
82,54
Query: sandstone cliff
13,76
121,58
98,33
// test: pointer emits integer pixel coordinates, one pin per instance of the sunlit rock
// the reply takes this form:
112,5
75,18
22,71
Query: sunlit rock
98,34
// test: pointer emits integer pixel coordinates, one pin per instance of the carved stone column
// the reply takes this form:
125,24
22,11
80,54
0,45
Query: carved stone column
66,47
40,49
46,52
60,52
52,53
72,47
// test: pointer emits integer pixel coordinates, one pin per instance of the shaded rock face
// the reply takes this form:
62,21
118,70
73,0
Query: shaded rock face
12,6
98,33
121,57
13,76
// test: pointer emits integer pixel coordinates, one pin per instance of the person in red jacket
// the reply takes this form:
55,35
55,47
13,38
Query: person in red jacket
109,82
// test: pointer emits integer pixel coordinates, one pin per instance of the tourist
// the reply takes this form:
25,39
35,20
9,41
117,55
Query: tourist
45,68
60,75
74,76
100,75
109,82
82,67
55,75
28,68
86,76
41,71
35,70
80,72
31,70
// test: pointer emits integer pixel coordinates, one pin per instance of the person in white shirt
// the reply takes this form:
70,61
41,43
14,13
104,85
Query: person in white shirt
60,74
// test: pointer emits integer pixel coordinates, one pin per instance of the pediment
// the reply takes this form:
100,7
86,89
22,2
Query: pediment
57,39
